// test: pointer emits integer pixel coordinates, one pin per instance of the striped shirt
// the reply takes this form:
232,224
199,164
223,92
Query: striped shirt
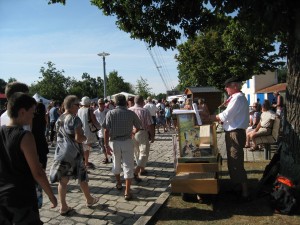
120,122
144,116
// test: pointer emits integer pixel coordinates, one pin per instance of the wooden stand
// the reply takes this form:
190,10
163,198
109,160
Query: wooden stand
199,175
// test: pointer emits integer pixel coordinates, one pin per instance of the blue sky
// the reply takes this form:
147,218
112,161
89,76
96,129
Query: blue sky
33,32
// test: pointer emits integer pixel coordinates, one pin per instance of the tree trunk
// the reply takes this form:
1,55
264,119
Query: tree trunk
290,152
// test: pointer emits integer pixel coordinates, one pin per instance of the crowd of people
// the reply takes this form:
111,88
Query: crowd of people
123,129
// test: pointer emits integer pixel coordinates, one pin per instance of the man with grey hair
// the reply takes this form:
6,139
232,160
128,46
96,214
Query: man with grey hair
235,119
141,139
118,125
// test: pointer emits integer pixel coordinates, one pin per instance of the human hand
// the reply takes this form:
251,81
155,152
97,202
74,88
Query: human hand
53,200
108,150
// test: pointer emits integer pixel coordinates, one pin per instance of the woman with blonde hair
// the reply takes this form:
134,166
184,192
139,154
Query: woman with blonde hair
188,104
68,159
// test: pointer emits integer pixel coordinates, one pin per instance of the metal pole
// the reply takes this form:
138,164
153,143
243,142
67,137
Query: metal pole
103,54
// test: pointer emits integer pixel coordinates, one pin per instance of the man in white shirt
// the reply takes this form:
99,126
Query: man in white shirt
152,109
235,119
10,89
100,114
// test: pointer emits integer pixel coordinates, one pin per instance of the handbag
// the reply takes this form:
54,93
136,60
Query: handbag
92,126
67,148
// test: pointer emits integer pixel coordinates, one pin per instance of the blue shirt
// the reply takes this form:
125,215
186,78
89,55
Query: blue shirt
53,114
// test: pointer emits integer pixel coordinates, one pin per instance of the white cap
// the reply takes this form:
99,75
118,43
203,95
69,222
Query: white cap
85,101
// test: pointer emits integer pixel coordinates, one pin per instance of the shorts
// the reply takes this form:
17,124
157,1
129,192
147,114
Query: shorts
263,132
161,120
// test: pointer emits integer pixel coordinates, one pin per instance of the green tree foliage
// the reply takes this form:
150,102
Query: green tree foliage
53,84
163,22
161,96
208,59
116,84
142,87
52,80
88,86
11,79
2,85
282,73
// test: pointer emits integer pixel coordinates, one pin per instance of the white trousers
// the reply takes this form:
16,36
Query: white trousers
141,147
123,154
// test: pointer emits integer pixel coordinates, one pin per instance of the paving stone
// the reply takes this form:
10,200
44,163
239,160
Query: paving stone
149,194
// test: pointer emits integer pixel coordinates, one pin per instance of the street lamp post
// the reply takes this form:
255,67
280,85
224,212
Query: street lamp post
103,54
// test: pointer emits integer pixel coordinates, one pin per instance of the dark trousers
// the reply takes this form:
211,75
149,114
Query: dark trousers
52,131
235,142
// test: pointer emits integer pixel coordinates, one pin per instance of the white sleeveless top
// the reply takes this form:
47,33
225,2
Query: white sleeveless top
83,115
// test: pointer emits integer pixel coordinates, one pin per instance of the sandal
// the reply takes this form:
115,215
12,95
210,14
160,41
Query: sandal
127,197
66,212
119,186
90,166
95,200
105,161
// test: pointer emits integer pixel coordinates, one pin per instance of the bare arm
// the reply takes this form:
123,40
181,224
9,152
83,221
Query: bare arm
94,120
28,148
79,135
106,141
258,126
214,118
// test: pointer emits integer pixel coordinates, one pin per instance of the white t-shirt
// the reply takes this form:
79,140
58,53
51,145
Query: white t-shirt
265,119
100,116
236,115
152,108
5,120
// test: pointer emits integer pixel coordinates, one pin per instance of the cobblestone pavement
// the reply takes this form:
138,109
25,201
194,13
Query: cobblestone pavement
149,194
112,207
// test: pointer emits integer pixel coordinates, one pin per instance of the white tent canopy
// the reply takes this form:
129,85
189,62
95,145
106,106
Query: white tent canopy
181,98
127,95
40,98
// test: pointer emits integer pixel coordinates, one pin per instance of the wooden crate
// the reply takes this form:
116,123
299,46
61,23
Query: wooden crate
199,162
197,167
197,175
195,183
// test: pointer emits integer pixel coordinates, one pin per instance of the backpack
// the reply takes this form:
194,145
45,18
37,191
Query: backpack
283,198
